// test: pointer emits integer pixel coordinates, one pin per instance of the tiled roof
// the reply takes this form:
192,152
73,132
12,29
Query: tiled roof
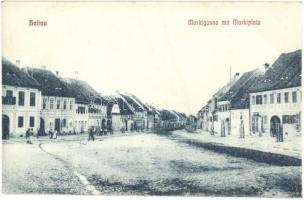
123,106
14,76
82,91
132,102
238,94
51,85
285,72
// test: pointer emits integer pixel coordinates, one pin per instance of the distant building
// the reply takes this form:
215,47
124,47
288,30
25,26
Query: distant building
234,105
21,101
219,109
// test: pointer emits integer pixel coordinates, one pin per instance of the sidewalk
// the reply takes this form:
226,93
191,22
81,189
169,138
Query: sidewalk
290,147
63,138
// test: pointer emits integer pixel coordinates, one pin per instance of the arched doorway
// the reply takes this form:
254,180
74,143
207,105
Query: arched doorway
5,127
275,124
42,127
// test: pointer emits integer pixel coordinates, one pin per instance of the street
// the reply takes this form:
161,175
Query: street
138,164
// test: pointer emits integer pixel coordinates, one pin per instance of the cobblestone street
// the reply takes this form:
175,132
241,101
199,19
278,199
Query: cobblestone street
138,164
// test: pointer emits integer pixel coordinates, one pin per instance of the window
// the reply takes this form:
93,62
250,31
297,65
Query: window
32,121
253,100
64,104
259,99
279,98
81,110
289,119
271,98
9,93
286,95
265,99
21,98
71,105
20,121
44,104
294,97
58,103
51,104
32,99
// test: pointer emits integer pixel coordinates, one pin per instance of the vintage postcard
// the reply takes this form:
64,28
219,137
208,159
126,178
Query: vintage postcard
154,99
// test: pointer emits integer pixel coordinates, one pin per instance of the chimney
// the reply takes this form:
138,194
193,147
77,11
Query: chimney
43,67
266,66
57,73
236,75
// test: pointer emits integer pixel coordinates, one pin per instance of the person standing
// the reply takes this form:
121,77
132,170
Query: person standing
31,134
27,136
91,134
51,133
55,134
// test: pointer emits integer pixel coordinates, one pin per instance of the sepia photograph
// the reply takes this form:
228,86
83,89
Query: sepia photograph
157,99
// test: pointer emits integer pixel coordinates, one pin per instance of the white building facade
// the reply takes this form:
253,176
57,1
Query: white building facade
238,117
274,108
20,110
57,113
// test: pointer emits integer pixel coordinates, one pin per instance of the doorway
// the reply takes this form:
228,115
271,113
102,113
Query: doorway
5,127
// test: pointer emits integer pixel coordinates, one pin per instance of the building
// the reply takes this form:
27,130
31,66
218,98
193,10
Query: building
57,109
140,116
233,106
275,98
21,101
91,108
119,113
219,109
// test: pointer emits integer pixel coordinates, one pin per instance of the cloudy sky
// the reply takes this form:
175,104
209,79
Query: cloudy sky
148,49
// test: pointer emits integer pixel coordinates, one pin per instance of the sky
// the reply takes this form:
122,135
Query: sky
148,49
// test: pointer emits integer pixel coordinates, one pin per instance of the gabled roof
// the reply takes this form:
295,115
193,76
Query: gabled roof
152,110
124,108
14,76
285,72
51,85
139,102
225,88
82,91
238,94
137,107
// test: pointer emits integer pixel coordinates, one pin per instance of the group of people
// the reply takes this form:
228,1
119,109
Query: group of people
53,134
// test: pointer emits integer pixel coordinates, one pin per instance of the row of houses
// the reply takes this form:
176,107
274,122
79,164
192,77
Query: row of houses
263,101
39,99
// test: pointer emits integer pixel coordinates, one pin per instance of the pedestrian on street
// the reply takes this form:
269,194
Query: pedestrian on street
55,134
51,133
31,134
91,133
27,136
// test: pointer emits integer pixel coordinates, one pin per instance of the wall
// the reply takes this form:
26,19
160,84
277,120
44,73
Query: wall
277,109
26,111
236,121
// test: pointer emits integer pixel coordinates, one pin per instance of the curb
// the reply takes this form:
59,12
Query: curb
256,155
